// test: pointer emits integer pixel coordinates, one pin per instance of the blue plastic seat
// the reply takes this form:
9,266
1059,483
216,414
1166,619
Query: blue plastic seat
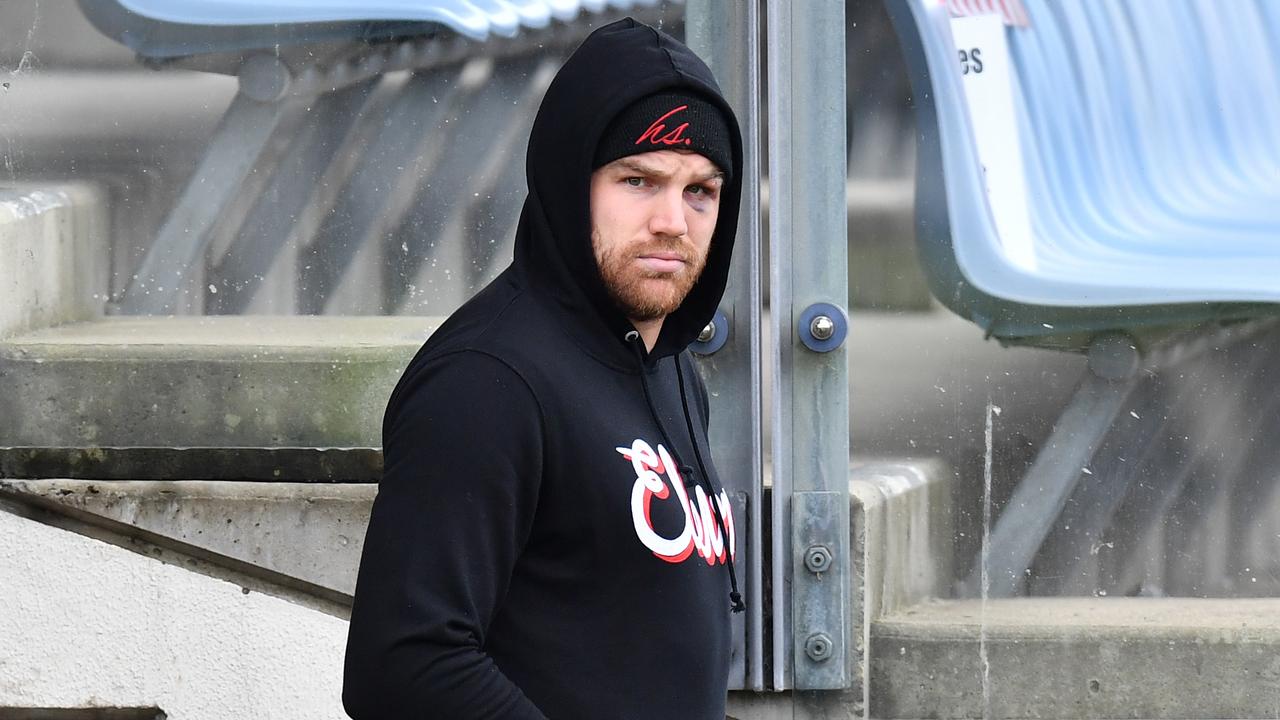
1095,176
1188,199
1122,122
1149,151
1156,161
163,29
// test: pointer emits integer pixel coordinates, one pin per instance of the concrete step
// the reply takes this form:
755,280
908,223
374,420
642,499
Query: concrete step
1078,658
229,381
52,255
279,464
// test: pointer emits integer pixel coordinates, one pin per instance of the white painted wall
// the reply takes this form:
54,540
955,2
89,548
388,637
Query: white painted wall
85,623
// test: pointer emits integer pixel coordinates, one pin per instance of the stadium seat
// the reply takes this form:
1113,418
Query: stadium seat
1147,135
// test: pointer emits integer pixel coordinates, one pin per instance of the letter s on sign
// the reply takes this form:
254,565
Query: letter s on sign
971,60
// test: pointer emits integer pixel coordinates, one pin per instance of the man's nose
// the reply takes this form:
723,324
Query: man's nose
667,217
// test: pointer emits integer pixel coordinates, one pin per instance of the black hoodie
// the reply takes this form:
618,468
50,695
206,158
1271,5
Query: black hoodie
532,552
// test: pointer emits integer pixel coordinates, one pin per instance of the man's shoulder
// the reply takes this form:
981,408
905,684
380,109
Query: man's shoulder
503,326
506,322
464,364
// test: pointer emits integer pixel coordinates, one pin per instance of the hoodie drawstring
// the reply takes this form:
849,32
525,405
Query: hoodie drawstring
704,479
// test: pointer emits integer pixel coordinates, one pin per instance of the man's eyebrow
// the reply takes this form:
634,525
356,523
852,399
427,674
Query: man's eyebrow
642,168
646,169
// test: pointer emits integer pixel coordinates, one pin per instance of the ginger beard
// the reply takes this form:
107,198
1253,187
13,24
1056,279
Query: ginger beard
643,294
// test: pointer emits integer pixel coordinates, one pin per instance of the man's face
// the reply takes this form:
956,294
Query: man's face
652,217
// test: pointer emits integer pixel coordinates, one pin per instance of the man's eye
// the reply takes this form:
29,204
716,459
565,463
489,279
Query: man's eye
634,181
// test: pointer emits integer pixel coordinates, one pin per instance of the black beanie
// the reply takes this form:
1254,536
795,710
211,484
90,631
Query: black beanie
668,121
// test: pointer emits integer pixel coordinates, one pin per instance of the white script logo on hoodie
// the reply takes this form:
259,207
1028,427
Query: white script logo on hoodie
700,532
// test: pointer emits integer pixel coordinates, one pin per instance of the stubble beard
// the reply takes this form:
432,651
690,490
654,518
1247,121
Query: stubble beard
643,295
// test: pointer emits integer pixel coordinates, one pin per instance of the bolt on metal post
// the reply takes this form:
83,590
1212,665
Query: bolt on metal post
822,327
708,333
818,647
818,559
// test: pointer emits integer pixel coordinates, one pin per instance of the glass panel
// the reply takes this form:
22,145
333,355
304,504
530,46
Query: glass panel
368,168
193,188
1184,436
1108,497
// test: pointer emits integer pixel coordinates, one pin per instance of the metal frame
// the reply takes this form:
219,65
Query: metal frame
728,36
271,226
1042,494
1065,466
808,265
376,198
810,623
240,140
271,101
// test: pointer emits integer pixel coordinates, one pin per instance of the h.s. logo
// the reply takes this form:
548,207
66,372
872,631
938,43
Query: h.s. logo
658,478
657,133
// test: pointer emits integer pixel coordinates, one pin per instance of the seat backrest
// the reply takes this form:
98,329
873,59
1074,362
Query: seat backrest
1146,139
163,29
158,40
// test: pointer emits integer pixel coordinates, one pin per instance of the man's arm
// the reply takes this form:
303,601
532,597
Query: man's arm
462,467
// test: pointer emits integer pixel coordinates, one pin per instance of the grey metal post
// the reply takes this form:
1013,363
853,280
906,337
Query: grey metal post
727,36
807,241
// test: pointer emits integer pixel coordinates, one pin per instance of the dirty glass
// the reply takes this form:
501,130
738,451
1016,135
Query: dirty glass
1076,488
329,169
254,226
1107,480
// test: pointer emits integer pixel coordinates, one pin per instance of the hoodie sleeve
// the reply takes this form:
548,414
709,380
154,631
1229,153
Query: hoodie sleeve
462,465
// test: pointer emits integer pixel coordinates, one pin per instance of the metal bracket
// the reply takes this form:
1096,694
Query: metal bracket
820,589
1044,490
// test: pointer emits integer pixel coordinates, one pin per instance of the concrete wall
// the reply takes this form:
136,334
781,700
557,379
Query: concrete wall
53,250
246,381
89,624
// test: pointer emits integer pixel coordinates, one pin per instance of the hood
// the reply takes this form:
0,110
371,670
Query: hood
616,65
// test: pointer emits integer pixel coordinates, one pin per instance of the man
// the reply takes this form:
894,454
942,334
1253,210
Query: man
549,537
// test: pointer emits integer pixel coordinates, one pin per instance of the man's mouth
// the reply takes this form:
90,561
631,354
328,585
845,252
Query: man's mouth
662,262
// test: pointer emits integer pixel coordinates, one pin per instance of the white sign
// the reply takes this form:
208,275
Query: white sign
986,73
1012,11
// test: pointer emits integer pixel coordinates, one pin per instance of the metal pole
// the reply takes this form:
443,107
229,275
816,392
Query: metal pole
163,283
808,293
727,35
